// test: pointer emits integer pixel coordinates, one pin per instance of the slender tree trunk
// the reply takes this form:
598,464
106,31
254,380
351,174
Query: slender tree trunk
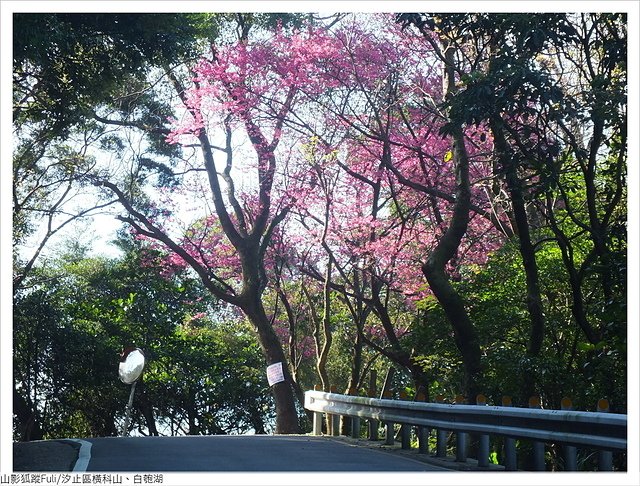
323,355
527,252
317,338
577,306
434,268
256,422
356,353
293,354
192,414
293,341
465,335
147,409
597,231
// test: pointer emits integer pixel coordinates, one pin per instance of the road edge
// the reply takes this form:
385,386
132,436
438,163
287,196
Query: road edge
84,455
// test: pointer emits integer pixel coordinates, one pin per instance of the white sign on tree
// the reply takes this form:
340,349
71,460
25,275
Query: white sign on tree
275,373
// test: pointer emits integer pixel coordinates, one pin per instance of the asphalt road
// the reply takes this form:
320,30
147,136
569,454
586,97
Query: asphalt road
246,453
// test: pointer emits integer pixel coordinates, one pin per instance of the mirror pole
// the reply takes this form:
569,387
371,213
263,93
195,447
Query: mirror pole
127,417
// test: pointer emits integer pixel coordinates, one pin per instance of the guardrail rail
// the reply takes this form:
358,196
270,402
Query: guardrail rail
600,431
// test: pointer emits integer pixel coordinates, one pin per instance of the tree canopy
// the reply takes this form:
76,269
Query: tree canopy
439,194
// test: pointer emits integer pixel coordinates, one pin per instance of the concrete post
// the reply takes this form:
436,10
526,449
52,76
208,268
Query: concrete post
355,427
317,416
354,421
510,458
405,432
389,429
605,458
461,437
538,447
317,423
423,432
372,392
423,440
389,433
405,429
333,421
373,424
441,436
483,443
570,453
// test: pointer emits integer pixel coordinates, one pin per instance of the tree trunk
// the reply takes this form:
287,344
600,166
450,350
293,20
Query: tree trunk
283,395
466,337
577,306
356,361
323,354
29,427
527,252
147,409
293,343
596,228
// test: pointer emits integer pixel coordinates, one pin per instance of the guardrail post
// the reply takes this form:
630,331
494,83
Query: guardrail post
373,423
317,416
441,436
317,423
423,432
405,429
461,437
510,458
389,438
483,443
605,458
355,421
570,453
388,426
345,420
333,425
333,421
538,447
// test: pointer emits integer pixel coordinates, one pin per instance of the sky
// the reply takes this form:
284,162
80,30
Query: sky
105,226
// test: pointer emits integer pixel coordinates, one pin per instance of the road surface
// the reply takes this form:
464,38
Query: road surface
246,453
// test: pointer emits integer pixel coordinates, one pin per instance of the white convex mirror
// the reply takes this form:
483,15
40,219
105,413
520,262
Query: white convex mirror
131,366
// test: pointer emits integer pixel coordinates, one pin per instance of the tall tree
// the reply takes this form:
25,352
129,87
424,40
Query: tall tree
66,66
395,133
228,83
529,89
125,98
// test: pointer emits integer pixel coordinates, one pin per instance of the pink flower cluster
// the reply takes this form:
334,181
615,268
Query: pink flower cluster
348,122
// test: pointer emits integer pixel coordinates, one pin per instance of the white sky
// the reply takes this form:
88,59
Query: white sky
103,226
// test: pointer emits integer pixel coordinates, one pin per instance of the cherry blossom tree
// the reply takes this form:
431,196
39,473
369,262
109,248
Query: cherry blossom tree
424,174
389,201
243,88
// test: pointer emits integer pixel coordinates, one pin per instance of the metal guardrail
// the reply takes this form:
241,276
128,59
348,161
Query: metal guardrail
593,430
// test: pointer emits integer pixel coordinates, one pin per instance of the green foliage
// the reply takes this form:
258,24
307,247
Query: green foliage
567,365
72,62
202,376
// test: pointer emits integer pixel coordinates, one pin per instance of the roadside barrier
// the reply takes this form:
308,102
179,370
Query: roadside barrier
601,431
